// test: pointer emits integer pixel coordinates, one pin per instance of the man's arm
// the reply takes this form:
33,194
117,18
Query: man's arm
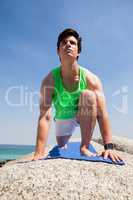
95,85
102,113
46,92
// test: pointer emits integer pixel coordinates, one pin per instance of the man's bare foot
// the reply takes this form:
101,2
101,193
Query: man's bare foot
86,152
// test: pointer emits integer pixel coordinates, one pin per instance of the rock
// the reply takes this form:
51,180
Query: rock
3,162
64,179
120,143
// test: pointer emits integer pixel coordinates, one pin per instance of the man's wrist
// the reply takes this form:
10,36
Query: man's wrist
108,146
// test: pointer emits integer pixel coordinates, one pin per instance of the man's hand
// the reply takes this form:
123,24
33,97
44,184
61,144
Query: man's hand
111,154
38,156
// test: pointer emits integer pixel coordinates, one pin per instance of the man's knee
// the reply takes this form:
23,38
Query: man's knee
87,98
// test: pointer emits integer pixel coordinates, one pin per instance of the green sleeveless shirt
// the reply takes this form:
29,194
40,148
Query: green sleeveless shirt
65,102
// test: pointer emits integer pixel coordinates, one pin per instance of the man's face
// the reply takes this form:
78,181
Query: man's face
68,48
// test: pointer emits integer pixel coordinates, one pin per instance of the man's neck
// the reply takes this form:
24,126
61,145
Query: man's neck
69,70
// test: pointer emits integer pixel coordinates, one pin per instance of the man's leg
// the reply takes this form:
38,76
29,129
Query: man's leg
63,140
64,130
87,115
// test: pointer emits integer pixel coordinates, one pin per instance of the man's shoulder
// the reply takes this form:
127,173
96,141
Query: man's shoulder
89,73
55,69
49,78
92,79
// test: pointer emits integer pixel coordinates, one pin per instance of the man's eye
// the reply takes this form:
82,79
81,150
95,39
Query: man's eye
64,42
73,43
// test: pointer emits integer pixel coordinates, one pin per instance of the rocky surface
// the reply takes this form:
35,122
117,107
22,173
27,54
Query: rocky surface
120,143
3,162
64,179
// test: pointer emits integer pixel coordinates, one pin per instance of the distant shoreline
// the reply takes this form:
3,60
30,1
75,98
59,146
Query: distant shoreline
121,144
12,152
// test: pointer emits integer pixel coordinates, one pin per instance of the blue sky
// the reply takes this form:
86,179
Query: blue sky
28,36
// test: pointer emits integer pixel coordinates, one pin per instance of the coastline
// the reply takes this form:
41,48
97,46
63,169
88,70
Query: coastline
122,144
11,152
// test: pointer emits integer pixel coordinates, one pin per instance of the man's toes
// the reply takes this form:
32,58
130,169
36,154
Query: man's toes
87,153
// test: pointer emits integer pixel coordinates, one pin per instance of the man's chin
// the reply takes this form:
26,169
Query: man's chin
69,56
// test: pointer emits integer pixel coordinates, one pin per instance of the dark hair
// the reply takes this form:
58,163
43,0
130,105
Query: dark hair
69,32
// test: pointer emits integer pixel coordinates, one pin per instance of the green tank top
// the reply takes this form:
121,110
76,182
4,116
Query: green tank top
65,102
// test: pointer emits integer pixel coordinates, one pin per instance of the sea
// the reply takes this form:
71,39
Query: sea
11,152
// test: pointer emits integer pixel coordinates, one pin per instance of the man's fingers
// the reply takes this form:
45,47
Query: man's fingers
117,158
120,158
93,154
106,154
113,157
39,156
100,153
34,158
110,154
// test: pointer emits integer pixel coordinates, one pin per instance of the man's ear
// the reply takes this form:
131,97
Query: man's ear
78,56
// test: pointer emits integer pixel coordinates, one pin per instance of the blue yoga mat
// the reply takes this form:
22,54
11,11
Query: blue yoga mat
73,152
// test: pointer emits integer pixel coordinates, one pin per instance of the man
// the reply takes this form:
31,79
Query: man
78,98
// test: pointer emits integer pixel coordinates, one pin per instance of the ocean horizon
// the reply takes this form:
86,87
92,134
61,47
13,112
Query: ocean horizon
14,151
